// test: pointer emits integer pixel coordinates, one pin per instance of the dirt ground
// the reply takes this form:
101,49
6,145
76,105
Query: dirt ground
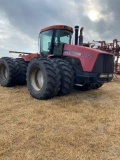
79,126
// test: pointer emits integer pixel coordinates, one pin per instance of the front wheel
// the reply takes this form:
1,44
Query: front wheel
41,78
66,74
21,78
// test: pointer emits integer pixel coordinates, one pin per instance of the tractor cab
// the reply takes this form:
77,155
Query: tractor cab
53,38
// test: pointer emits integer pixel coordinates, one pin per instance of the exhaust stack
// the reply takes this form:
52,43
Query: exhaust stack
76,34
81,37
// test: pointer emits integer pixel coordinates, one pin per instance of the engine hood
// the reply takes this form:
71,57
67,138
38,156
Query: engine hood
86,55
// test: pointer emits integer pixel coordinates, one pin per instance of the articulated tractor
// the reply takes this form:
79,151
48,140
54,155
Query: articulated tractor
59,66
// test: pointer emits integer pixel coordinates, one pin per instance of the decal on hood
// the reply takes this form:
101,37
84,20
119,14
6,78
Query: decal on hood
78,54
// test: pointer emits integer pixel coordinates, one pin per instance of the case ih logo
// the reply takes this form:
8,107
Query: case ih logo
78,54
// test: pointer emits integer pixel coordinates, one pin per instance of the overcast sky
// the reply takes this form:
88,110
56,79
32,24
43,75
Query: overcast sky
21,20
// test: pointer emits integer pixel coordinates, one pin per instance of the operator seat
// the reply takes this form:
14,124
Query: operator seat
58,49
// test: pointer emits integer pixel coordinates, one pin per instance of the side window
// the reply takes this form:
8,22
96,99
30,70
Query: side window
45,42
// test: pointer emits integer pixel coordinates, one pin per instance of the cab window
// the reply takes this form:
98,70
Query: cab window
45,42
63,36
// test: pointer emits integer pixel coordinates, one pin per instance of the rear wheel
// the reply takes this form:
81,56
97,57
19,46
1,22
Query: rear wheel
41,78
22,64
8,72
67,76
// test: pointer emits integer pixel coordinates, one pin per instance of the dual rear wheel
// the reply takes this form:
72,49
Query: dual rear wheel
12,71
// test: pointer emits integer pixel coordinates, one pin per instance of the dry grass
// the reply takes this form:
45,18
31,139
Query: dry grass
80,126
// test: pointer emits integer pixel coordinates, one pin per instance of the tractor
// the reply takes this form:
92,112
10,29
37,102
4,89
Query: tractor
59,66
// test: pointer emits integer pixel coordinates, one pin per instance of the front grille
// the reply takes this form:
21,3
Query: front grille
104,64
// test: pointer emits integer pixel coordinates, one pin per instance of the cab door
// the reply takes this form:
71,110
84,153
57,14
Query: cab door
61,37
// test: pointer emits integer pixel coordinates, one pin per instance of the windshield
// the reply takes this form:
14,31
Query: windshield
63,36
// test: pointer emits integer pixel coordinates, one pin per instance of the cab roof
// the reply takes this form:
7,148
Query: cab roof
64,27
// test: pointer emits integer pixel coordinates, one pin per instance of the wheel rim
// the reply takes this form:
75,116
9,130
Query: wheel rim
36,79
3,72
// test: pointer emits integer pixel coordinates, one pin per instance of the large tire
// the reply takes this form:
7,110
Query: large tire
67,76
41,78
22,64
8,72
58,76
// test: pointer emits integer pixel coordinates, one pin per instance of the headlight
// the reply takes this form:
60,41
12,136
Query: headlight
103,76
110,75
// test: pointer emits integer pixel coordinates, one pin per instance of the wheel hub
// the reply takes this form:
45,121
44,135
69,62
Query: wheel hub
36,78
3,72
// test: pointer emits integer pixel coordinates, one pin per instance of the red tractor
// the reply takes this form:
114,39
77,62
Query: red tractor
59,66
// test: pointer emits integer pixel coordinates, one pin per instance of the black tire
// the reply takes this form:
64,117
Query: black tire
22,64
97,86
8,72
85,87
41,78
58,75
67,76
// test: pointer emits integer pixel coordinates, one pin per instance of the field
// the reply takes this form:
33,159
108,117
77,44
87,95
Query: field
79,126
